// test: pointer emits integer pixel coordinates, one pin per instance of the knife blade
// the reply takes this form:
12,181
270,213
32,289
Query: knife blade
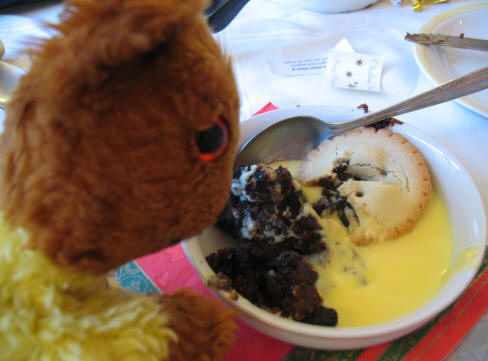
448,40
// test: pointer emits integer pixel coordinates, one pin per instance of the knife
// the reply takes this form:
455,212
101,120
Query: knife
448,40
221,12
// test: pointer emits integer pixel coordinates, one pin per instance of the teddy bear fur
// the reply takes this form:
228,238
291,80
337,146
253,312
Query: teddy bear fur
99,165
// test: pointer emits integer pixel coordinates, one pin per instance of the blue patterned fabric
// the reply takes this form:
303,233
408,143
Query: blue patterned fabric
131,277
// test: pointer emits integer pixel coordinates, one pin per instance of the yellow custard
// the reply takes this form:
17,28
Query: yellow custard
371,284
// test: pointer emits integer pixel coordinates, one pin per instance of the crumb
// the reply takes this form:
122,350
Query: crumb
220,282
234,295
384,123
364,107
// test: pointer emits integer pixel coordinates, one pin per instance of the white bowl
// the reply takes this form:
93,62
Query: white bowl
466,214
328,6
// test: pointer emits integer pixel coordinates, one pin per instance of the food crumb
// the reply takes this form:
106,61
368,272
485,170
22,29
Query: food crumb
220,281
234,295
364,107
384,123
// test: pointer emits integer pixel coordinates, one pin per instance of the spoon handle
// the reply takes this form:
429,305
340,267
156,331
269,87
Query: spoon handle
458,87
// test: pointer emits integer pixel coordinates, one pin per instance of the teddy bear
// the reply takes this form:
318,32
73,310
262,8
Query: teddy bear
118,142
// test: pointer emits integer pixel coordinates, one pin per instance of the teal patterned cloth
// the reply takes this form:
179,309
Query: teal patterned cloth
131,277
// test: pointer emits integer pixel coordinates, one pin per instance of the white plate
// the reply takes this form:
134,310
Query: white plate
468,222
440,64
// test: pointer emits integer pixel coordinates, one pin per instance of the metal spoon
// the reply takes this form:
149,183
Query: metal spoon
9,77
293,138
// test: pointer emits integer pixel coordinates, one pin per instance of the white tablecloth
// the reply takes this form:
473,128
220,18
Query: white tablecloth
265,29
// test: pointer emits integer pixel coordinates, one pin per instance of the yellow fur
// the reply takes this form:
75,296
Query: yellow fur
80,318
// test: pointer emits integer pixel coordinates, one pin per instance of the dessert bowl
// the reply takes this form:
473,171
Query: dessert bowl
467,219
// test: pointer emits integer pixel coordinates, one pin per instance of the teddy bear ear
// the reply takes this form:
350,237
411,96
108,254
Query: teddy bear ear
110,32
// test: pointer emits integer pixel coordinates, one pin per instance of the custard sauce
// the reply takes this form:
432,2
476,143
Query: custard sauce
382,281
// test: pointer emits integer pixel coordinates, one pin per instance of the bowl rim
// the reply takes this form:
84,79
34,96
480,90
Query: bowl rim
409,321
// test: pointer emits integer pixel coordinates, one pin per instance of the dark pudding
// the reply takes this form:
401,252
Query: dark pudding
277,231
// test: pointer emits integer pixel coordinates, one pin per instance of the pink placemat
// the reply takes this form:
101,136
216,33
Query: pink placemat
170,270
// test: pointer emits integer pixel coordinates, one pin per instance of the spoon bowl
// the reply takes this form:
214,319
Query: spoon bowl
9,78
291,138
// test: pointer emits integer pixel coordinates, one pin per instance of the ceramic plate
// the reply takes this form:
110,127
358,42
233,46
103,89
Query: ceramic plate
440,64
468,222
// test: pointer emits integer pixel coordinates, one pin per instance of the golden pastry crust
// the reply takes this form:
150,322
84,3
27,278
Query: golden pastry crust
387,181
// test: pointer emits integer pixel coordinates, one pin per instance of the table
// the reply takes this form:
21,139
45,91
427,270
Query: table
264,27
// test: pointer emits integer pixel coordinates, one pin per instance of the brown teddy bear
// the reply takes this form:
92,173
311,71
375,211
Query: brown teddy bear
118,142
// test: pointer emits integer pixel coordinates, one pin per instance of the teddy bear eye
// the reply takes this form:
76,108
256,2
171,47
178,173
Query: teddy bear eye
212,142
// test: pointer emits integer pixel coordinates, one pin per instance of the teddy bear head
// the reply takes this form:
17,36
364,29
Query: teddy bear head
120,139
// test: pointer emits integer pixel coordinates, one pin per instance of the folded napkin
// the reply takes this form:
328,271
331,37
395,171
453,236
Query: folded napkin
170,270
285,33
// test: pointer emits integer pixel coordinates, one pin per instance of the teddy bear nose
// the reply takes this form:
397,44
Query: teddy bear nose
212,142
